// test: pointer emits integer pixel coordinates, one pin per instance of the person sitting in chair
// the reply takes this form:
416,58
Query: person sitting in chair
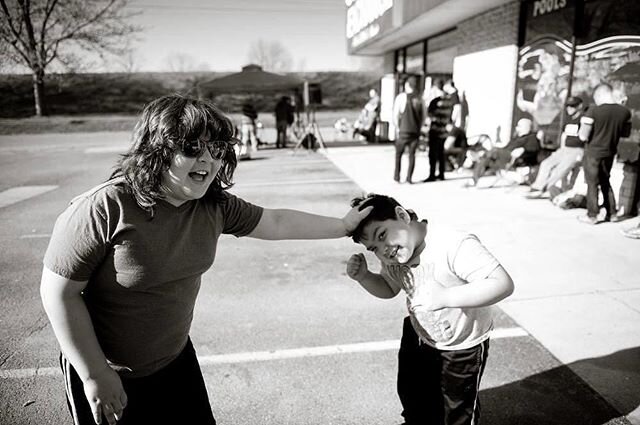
521,151
455,146
557,166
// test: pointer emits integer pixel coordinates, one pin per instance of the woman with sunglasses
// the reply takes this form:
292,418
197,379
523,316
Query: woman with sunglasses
124,264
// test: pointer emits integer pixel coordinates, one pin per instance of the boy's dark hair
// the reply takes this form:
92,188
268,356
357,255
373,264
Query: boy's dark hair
384,208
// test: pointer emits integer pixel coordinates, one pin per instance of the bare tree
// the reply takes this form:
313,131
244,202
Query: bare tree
37,33
179,62
270,55
129,60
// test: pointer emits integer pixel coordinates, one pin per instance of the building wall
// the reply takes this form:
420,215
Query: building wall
495,28
485,69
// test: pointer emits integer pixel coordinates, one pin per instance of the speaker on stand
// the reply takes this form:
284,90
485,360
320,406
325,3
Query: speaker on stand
312,96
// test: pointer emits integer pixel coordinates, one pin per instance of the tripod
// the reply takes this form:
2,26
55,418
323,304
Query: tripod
312,130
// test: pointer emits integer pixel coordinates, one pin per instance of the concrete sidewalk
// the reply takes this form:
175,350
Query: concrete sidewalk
577,286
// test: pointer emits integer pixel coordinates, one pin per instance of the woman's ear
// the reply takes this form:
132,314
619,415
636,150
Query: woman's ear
402,214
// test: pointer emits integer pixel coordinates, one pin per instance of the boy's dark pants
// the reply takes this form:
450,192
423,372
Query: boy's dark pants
439,387
174,395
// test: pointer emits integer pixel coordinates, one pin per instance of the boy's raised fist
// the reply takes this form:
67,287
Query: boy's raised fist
357,267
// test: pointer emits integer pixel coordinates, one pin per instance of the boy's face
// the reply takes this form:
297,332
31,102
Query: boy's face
390,240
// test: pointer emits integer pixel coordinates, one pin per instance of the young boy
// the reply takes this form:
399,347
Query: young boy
450,280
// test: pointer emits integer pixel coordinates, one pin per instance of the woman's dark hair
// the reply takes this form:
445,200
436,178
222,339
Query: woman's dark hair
163,127
384,208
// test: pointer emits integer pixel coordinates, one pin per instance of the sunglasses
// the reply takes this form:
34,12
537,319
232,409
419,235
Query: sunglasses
195,148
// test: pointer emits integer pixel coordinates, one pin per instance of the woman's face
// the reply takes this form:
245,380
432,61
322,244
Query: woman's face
188,178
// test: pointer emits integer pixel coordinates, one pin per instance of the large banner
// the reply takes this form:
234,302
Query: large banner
608,50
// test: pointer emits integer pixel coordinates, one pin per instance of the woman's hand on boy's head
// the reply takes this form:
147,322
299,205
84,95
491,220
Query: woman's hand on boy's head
353,218
357,267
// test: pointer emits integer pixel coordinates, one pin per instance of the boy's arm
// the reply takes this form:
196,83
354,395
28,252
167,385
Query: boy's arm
73,328
374,283
479,293
279,224
487,281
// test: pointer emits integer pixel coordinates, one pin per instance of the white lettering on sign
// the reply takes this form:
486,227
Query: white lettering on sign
364,35
541,7
361,13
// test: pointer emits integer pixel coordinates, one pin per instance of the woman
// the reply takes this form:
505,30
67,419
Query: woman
124,264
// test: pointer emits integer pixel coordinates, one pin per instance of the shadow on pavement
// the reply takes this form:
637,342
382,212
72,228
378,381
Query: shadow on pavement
543,399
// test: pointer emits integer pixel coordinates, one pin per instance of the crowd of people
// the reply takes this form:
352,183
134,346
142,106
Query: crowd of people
573,175
124,263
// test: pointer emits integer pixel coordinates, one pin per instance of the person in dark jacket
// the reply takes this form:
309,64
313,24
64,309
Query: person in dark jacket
284,118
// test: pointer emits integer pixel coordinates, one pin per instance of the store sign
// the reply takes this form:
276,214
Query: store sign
542,7
363,19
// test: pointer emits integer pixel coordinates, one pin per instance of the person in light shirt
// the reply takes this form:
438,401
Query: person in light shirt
451,282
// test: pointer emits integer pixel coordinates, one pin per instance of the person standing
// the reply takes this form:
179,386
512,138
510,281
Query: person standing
125,260
601,128
561,162
409,113
442,110
249,138
284,118
451,282
629,194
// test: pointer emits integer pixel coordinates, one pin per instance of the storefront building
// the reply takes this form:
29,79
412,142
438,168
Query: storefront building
508,58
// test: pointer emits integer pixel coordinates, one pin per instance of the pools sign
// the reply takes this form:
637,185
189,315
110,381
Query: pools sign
542,7
366,19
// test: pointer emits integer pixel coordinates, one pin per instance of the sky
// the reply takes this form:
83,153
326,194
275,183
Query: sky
215,35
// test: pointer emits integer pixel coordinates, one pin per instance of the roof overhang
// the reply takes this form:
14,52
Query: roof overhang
442,17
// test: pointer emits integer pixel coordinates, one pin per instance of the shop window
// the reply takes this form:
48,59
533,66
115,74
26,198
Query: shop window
415,58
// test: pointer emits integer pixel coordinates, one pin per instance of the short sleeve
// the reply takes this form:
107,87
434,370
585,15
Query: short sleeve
240,217
78,241
588,117
472,260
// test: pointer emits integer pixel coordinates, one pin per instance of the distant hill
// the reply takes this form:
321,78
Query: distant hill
70,94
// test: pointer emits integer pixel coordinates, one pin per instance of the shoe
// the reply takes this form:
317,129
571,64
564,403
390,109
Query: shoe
622,217
430,179
536,194
633,233
409,181
554,191
587,219
441,177
396,179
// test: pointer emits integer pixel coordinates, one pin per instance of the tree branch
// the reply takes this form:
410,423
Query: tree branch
16,35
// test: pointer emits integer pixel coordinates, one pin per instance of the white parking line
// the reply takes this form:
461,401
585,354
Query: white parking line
36,236
107,149
261,356
17,194
293,182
